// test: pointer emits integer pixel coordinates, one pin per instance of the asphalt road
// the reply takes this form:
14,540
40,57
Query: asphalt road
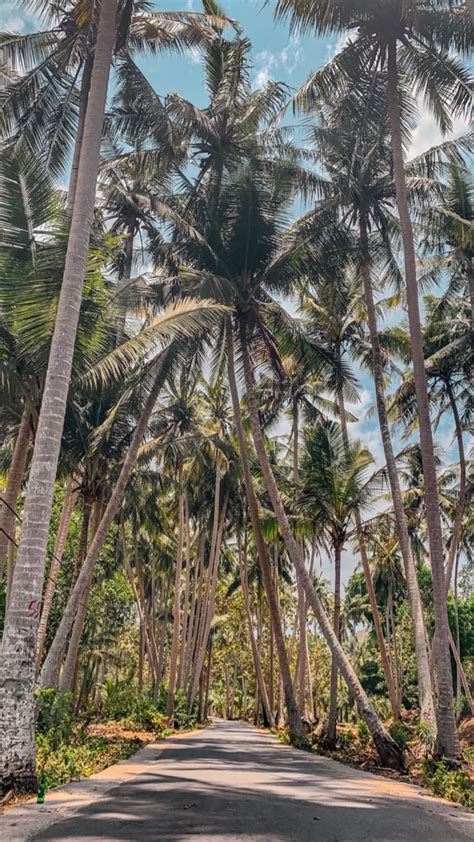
232,782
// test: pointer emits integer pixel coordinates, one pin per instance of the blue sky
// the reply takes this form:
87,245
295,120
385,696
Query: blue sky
276,54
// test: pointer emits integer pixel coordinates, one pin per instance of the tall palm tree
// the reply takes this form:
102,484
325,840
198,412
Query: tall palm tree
413,42
23,612
361,186
334,486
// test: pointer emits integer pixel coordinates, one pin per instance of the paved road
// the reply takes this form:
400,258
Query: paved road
230,782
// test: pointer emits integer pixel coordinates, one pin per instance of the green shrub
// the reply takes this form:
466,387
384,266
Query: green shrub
399,733
182,718
363,733
80,759
344,740
54,717
426,735
446,782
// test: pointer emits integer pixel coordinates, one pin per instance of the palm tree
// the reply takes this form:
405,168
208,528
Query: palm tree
25,599
334,485
361,185
426,35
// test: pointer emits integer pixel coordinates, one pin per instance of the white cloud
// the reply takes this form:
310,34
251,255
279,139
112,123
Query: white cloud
268,65
427,132
335,47
10,20
190,5
291,55
265,62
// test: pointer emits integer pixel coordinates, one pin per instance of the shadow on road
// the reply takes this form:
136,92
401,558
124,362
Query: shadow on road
232,782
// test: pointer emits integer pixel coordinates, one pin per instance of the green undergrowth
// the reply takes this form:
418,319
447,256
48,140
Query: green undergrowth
354,747
83,756
70,747
454,784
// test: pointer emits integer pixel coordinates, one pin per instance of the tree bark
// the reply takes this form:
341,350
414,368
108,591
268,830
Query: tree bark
187,589
65,520
83,97
296,732
332,718
447,736
457,527
111,510
209,607
16,473
425,689
68,676
388,750
173,670
253,643
17,675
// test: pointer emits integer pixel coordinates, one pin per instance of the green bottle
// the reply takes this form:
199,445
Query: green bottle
42,787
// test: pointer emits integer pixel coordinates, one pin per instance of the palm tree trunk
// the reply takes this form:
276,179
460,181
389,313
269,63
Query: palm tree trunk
332,718
9,501
83,97
389,679
187,589
389,752
295,727
209,607
173,670
63,528
447,737
67,680
127,274
457,527
302,654
425,689
111,510
19,640
253,643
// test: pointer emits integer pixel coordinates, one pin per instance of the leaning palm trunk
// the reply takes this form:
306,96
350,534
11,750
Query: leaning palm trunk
83,98
387,670
68,676
16,473
390,754
146,631
187,590
447,737
457,526
209,606
253,643
19,641
65,520
173,671
336,624
297,735
302,653
425,690
59,642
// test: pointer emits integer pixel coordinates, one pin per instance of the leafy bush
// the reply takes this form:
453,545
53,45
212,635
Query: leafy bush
399,733
54,717
345,740
363,733
426,735
80,759
447,782
183,719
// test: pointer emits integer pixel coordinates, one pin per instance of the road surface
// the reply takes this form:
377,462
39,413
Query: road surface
231,782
